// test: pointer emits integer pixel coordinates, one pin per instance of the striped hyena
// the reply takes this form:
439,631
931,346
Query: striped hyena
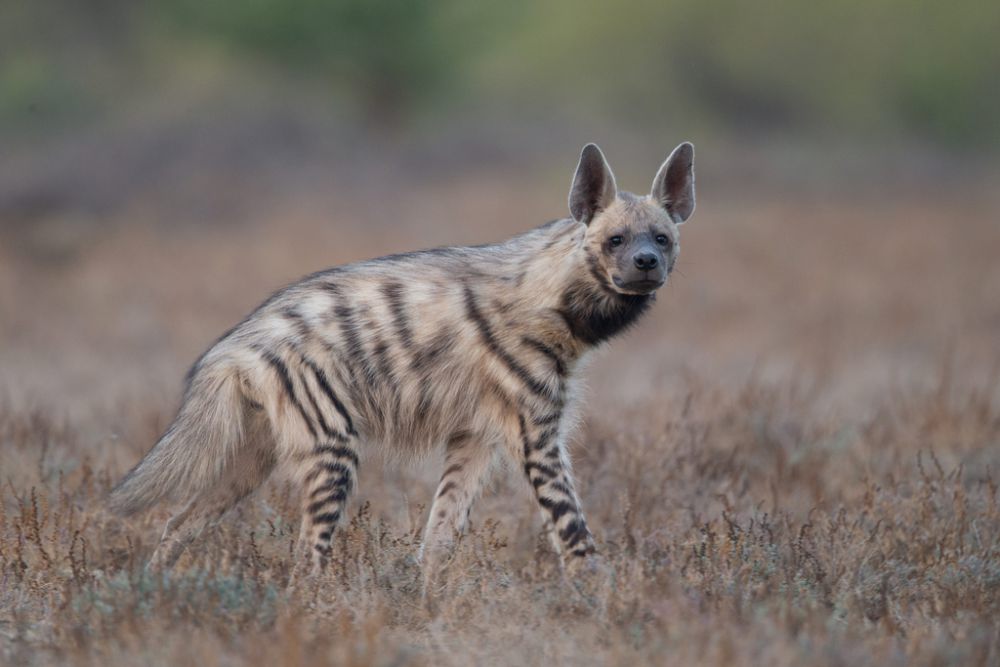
473,349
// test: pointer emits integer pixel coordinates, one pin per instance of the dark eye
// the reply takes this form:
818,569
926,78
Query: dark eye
615,241
662,239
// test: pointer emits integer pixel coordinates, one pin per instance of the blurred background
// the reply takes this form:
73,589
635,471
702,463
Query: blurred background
164,166
797,445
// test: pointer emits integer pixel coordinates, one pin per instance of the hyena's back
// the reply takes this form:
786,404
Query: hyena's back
404,352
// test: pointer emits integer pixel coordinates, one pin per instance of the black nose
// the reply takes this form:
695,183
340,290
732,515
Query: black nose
644,261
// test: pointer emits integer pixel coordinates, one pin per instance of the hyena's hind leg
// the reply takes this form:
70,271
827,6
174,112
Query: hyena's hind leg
468,461
329,477
243,477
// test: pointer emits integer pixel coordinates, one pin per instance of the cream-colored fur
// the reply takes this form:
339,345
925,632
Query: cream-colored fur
475,349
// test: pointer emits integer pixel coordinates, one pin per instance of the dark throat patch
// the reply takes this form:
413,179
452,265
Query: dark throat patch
593,316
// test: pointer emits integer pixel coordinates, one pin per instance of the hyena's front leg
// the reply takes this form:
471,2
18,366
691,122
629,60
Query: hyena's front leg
330,476
467,463
547,467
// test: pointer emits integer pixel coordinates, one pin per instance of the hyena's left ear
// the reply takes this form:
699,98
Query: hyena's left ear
593,188
673,186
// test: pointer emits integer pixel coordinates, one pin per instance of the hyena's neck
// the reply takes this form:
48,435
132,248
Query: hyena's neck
562,277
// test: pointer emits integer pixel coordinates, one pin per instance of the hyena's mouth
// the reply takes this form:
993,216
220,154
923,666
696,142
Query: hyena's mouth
644,286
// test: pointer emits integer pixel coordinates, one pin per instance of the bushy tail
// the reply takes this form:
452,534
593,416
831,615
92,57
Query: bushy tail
194,452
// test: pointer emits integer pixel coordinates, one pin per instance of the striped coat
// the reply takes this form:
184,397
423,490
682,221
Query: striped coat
477,350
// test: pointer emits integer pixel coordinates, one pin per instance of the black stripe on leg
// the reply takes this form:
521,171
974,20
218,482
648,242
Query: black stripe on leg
337,487
342,484
315,507
335,467
573,533
342,481
338,495
545,420
585,550
338,451
330,468
557,508
326,519
561,488
541,468
544,437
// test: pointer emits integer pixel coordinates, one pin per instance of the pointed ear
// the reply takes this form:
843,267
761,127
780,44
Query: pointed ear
673,187
593,187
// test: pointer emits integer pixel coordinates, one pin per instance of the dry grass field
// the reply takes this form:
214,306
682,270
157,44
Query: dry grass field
793,460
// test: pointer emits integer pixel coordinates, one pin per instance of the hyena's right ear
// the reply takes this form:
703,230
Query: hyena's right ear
593,187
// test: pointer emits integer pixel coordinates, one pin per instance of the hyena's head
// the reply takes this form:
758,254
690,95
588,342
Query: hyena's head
632,242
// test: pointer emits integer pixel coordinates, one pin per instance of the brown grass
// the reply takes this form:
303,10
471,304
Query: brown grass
794,461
